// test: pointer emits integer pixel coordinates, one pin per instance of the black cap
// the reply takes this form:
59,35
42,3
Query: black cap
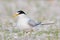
21,12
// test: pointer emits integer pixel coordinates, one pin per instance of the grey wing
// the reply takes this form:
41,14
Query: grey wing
33,23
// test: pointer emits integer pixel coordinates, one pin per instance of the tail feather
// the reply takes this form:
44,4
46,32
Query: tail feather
46,23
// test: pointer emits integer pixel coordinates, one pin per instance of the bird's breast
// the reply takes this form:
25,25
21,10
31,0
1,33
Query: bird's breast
23,24
22,21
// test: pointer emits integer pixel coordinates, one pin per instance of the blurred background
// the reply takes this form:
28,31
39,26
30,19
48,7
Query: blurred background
40,10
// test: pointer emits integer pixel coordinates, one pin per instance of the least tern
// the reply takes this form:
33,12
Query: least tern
25,23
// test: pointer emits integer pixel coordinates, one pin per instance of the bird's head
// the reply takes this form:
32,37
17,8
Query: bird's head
18,13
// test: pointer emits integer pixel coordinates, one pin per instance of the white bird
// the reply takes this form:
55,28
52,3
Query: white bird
24,22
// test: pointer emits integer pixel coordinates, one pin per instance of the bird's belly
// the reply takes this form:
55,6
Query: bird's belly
26,28
23,25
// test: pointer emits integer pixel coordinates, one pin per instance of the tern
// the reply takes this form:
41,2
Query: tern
24,22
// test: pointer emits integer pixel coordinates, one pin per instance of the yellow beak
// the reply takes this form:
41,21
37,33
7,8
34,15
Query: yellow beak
15,15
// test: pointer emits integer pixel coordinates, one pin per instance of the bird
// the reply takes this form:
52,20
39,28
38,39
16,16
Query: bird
24,22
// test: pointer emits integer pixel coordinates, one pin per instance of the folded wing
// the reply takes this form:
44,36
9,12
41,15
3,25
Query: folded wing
33,23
